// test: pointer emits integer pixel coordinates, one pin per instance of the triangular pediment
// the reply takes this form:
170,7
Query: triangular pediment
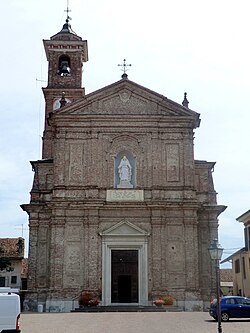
124,228
124,98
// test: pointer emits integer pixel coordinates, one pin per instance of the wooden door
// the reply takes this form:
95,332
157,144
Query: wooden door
124,276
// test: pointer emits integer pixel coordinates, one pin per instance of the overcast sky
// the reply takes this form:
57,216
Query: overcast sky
201,47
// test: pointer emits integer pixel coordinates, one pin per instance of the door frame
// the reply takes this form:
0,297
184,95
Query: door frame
125,236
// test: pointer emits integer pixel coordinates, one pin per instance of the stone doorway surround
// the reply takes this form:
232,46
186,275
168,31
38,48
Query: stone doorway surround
125,236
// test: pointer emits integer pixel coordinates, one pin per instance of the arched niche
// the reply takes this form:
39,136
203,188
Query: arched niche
129,146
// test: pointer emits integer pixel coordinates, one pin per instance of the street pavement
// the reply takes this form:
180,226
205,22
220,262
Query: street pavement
124,322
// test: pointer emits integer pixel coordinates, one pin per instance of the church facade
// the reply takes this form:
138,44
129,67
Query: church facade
118,207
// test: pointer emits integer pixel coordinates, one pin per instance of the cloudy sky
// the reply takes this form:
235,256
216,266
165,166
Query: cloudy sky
201,47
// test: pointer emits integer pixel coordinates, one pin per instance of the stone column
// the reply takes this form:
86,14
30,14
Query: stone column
33,239
93,221
57,254
156,181
208,230
43,245
191,256
188,158
59,159
156,254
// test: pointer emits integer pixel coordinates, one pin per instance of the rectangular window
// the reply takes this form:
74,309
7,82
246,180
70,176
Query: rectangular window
14,279
2,281
237,266
230,301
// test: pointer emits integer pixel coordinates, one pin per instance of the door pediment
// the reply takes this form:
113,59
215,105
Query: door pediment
124,228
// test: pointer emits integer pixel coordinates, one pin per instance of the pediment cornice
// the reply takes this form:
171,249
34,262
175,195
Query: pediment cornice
127,98
124,228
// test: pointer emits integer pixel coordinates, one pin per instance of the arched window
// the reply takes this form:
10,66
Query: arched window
64,66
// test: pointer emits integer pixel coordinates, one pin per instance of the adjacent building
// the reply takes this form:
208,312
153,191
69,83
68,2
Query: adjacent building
119,206
241,261
13,275
226,281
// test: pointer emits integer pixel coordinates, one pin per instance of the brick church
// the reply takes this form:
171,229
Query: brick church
118,206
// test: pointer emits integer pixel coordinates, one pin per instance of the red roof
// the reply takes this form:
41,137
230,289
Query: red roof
12,247
226,275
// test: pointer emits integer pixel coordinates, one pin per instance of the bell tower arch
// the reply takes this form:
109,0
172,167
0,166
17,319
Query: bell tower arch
66,52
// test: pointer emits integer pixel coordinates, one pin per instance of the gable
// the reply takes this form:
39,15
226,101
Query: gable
128,98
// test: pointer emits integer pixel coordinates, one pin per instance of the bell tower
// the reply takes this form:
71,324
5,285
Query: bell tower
65,52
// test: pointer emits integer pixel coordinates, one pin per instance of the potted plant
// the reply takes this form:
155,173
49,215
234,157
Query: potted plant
87,298
168,300
93,302
159,302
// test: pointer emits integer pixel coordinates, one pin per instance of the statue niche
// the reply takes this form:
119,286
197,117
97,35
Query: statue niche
125,170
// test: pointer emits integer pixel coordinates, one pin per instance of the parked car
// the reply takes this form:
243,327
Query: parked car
231,307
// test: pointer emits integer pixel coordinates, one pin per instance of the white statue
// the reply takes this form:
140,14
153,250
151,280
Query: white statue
125,171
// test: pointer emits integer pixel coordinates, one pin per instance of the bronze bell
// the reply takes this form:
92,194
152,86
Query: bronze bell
64,68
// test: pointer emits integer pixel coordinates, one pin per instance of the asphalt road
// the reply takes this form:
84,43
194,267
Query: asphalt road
136,322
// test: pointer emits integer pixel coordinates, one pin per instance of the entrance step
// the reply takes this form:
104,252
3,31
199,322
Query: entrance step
124,308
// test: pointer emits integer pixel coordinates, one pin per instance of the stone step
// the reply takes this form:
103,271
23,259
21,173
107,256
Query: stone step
126,308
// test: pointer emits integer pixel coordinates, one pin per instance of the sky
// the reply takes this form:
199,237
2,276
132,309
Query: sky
198,47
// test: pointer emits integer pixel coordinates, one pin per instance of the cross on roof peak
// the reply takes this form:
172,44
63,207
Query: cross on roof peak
125,66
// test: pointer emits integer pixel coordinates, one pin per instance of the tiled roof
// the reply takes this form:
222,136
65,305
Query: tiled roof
226,275
12,247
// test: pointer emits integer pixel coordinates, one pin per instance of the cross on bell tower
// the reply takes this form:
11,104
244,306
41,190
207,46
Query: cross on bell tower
67,11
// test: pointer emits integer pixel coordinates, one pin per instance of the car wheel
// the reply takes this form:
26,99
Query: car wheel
224,316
